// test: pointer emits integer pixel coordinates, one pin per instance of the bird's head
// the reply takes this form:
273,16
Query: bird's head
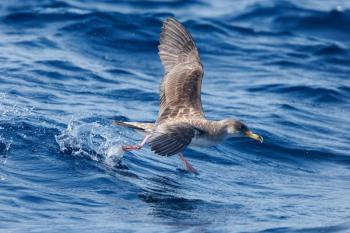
235,128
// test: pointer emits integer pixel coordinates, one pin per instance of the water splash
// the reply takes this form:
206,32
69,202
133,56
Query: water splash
11,111
94,140
5,145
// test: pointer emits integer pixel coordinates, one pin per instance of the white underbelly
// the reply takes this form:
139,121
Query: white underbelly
202,142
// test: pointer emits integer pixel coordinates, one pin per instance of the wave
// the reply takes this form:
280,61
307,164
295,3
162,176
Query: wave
285,16
331,228
316,94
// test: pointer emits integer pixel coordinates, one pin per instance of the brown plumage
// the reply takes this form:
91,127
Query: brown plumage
180,89
181,120
144,127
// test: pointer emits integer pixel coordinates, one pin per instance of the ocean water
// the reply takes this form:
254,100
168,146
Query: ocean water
69,68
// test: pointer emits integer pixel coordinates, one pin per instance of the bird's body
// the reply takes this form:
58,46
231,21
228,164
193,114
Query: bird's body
181,121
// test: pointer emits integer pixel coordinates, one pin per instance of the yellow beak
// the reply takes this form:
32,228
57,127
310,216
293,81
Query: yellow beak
254,136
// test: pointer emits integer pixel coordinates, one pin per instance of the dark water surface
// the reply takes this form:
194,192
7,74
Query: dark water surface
68,68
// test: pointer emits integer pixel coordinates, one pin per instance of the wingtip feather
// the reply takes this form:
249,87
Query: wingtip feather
176,44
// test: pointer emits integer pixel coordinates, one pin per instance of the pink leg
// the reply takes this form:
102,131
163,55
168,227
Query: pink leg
187,165
136,147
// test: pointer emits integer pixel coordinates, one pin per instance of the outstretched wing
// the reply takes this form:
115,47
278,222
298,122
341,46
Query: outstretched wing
170,139
180,89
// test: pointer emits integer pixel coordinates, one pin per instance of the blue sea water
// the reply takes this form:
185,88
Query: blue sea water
68,68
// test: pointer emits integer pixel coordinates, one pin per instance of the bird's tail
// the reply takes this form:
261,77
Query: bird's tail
145,127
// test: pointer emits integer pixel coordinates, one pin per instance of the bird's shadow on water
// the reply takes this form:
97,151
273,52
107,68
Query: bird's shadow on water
175,202
165,196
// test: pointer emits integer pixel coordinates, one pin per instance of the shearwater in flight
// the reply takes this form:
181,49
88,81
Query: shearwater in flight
181,121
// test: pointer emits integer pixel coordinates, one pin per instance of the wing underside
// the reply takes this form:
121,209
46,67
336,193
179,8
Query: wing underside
171,139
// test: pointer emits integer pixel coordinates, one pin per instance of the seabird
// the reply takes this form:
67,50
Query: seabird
181,121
